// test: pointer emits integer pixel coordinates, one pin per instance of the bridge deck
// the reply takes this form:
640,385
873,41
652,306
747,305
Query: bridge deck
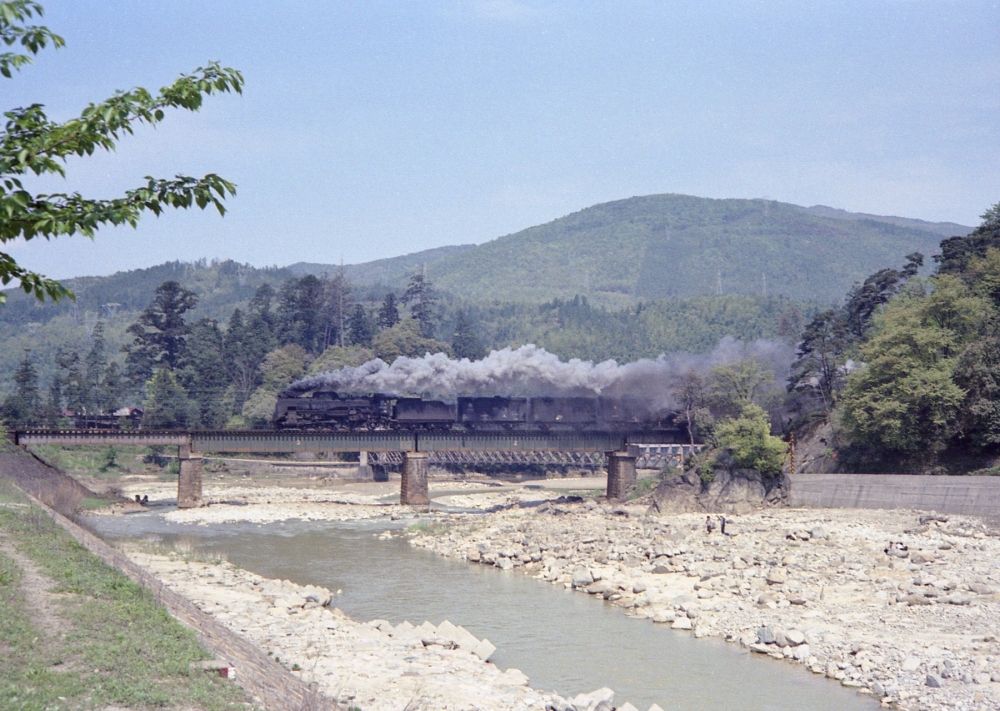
376,441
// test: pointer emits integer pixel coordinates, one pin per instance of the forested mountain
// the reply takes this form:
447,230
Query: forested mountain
622,280
945,229
661,246
674,245
393,270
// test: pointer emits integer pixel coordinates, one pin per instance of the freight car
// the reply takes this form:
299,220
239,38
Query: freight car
327,410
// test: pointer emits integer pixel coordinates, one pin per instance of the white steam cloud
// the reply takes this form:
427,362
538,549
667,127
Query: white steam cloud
533,371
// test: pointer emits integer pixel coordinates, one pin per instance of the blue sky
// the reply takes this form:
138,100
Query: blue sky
370,129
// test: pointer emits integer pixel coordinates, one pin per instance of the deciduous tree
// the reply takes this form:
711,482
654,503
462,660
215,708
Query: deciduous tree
33,144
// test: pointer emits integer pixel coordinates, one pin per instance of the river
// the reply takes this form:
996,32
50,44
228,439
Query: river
564,641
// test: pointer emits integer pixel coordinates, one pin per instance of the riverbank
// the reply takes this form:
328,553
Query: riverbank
266,502
78,634
371,666
815,588
912,624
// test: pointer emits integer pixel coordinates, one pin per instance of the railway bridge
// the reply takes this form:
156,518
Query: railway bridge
414,448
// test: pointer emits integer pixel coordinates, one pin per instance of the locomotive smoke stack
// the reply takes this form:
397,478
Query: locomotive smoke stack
533,371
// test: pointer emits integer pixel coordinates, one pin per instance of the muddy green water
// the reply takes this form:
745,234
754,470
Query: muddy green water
564,641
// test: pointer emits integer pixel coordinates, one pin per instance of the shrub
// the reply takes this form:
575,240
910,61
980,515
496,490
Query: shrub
750,443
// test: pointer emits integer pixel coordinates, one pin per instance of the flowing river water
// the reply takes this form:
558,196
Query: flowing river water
564,641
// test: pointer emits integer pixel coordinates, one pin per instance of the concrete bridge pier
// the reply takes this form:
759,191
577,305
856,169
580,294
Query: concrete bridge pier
621,474
189,479
364,468
413,486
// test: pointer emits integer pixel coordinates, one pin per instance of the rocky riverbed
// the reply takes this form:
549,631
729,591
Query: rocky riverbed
370,666
255,503
899,605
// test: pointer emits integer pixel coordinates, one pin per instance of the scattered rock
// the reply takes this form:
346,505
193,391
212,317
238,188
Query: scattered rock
776,576
484,650
933,681
795,637
600,700
818,532
582,577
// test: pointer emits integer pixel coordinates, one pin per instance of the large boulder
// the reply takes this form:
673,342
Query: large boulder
730,490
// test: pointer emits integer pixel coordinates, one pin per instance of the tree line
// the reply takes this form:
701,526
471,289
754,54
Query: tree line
907,371
203,374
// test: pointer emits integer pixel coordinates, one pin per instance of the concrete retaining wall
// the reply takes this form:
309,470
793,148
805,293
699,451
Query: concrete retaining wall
976,495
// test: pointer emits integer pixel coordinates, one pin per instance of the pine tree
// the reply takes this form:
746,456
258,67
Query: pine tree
304,316
72,380
160,333
360,327
388,315
420,297
204,376
23,407
95,364
465,343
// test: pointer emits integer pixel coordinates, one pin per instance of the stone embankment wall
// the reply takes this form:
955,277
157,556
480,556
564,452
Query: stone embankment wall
272,685
970,495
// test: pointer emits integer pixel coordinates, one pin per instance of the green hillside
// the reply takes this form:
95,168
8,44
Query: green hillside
675,245
665,252
945,229
392,270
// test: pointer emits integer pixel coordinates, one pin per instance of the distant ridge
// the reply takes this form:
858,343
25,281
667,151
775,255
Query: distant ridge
945,229
382,271
659,246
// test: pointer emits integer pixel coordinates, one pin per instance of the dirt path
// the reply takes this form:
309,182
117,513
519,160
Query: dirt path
40,604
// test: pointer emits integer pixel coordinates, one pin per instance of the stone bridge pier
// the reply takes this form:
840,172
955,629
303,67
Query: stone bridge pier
413,486
189,479
621,474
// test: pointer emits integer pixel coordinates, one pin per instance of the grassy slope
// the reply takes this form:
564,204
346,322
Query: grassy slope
107,643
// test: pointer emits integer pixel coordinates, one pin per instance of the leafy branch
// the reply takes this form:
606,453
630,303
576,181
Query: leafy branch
32,144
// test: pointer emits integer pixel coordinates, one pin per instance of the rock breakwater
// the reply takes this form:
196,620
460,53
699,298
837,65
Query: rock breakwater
898,605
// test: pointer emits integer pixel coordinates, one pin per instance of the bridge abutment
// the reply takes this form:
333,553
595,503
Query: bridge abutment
621,474
189,478
413,486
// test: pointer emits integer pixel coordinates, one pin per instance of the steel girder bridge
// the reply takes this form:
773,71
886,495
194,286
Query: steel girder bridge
412,448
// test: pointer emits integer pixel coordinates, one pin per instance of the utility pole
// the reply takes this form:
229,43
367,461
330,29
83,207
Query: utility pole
764,277
340,294
719,278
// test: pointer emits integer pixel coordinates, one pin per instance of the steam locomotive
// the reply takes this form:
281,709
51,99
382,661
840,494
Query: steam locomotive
328,410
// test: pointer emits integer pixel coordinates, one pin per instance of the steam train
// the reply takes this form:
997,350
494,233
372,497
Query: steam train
328,410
